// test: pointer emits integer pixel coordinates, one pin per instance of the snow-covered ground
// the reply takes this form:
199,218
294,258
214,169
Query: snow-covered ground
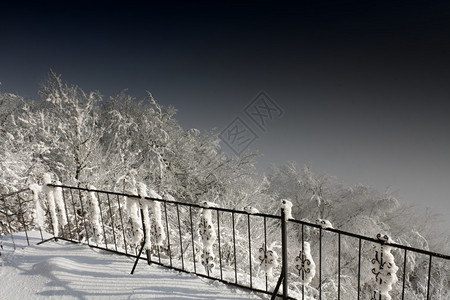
63,270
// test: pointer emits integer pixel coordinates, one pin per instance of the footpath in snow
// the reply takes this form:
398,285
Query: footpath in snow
63,270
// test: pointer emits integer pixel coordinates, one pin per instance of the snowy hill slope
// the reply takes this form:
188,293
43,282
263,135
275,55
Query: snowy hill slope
62,270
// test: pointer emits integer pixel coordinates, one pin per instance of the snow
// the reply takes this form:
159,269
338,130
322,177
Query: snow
94,212
60,207
268,259
251,210
38,212
304,263
63,270
287,206
208,236
51,202
384,267
325,224
158,229
145,215
136,228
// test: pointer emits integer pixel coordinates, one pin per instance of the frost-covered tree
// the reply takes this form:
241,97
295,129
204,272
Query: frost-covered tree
70,122
20,149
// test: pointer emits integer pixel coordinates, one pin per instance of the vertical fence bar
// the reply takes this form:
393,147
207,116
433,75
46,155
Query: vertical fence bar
75,213
265,247
234,248
320,263
404,276
168,234
192,238
339,266
303,251
84,217
284,253
359,269
250,251
220,251
50,216
67,213
20,212
9,223
123,227
101,218
144,230
181,238
113,227
429,278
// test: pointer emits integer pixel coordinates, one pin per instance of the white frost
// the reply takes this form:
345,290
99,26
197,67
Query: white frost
145,205
324,223
95,215
208,236
158,229
48,190
287,206
251,210
305,265
269,259
60,207
385,269
38,212
136,227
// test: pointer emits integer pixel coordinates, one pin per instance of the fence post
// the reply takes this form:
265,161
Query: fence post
284,262
284,253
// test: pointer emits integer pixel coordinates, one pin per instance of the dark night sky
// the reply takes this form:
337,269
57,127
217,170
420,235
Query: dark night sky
364,85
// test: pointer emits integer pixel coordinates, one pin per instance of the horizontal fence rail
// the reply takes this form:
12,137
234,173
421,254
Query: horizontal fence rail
265,253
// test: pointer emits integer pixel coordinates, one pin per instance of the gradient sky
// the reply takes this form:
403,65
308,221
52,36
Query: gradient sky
365,87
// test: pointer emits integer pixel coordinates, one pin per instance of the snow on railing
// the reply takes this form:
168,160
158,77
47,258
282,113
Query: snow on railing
313,261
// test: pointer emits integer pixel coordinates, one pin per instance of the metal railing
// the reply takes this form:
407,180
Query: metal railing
16,217
245,248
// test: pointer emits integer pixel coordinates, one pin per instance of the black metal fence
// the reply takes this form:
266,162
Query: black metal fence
262,252
16,217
